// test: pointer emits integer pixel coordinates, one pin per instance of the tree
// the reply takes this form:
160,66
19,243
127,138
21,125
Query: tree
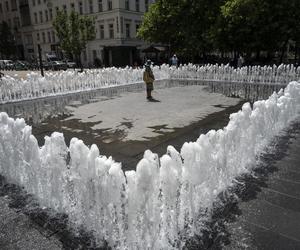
74,31
183,24
197,27
7,42
257,25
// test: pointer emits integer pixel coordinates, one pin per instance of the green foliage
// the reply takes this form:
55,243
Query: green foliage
183,24
198,26
253,25
7,42
74,31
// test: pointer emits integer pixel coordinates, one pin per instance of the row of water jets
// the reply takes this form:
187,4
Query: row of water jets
157,206
14,89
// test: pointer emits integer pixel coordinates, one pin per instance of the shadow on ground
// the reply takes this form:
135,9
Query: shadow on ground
48,223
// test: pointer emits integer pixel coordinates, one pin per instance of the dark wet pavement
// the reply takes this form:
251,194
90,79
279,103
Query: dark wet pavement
272,219
262,209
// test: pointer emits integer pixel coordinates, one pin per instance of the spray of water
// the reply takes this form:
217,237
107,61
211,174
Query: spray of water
64,82
157,206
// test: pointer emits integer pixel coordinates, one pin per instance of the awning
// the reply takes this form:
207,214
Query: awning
154,49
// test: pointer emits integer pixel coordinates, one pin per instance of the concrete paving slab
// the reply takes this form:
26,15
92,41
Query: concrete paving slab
135,118
254,237
17,231
270,217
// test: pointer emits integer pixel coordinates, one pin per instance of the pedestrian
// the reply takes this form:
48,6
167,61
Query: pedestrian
148,78
174,61
240,61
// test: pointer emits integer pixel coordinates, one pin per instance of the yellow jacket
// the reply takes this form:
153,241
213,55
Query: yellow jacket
148,77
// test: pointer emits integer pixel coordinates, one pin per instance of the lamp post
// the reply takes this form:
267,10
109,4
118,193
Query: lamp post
40,59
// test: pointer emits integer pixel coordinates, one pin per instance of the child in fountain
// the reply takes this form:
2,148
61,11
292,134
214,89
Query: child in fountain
148,78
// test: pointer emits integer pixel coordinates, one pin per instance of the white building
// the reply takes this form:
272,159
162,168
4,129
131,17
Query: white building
116,23
16,14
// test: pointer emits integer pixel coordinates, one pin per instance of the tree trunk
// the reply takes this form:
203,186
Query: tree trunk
283,51
257,55
78,62
296,53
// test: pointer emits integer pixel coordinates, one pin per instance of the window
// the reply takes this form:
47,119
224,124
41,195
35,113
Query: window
7,6
38,36
127,30
9,23
56,10
117,19
101,28
41,16
91,6
28,39
53,36
146,5
44,37
50,14
137,26
65,8
49,37
33,2
109,4
16,22
122,22
46,15
35,18
111,31
137,5
13,5
39,1
126,4
100,6
1,10
73,6
80,7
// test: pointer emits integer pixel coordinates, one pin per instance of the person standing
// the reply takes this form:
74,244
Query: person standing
148,78
174,61
240,61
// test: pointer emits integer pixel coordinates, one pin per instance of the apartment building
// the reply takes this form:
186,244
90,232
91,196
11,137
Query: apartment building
116,23
16,14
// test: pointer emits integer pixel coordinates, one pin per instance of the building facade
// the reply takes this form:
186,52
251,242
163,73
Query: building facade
116,23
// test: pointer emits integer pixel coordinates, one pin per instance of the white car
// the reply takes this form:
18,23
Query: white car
6,64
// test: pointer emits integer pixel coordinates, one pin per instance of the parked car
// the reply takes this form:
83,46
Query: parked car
21,65
7,64
70,64
58,65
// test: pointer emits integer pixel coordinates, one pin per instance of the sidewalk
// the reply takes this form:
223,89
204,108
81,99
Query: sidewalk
266,214
17,231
